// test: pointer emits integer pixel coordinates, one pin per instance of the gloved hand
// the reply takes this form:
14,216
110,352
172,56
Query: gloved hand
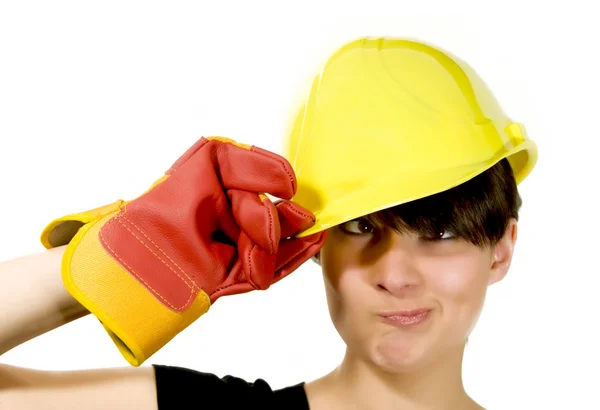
149,267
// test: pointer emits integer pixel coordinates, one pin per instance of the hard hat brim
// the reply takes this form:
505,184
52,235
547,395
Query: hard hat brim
410,187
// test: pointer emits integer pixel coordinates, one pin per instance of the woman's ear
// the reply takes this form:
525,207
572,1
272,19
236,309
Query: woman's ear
503,252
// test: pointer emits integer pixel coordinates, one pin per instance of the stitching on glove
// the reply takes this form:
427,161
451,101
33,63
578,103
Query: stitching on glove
159,248
250,267
278,159
118,219
140,278
114,253
297,211
248,281
284,166
271,239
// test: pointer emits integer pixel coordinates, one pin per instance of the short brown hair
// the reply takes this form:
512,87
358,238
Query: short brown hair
477,210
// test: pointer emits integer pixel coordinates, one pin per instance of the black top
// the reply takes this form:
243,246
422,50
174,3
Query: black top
181,388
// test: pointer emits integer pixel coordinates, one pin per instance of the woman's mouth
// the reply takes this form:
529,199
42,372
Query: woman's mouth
406,318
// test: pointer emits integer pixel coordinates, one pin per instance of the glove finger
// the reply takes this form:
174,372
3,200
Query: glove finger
253,169
294,252
258,265
235,283
257,218
225,229
293,218
225,256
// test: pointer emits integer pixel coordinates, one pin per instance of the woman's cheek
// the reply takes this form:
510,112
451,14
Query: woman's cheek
459,280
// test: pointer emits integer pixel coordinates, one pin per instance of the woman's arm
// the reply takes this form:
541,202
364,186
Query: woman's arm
125,388
33,299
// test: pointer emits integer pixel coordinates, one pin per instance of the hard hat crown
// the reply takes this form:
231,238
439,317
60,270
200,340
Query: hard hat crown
391,120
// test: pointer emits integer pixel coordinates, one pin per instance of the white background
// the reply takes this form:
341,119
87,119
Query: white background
97,99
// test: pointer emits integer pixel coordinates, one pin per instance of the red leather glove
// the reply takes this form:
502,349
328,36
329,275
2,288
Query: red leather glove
149,267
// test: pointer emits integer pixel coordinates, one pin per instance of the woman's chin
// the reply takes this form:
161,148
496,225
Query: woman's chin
399,356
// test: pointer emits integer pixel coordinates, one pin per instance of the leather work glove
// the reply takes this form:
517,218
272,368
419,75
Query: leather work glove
149,267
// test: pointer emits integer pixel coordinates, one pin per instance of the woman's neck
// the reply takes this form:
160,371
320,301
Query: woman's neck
358,384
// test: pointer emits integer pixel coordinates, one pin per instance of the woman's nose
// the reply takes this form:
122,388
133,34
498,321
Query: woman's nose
397,270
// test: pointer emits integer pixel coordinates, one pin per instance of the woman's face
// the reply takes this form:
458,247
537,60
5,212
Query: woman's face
370,272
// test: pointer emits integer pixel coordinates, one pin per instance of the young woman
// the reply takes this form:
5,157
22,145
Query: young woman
403,171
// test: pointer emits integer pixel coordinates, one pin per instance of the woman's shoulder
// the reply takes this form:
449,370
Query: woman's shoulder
177,386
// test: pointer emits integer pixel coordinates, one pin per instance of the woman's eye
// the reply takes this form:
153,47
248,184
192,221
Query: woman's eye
358,227
443,236
446,235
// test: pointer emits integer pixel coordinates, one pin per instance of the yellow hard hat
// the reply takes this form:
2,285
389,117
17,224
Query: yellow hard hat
392,120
